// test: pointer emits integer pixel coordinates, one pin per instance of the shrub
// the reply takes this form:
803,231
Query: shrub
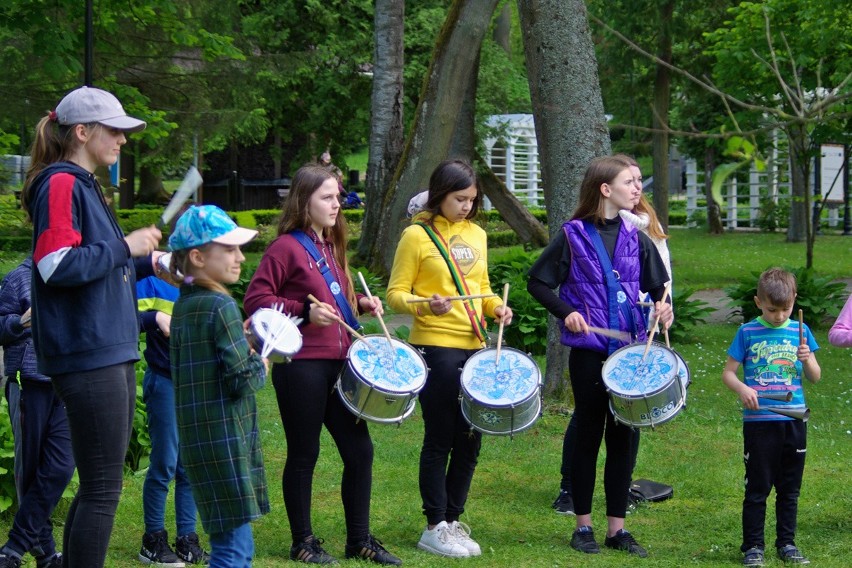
819,297
689,314
528,331
8,494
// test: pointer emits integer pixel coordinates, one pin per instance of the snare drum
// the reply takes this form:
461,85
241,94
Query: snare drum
644,391
500,399
380,381
271,325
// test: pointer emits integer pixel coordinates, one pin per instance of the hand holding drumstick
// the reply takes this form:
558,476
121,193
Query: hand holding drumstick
810,367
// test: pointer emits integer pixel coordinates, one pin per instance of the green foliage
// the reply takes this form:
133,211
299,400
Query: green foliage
528,331
139,448
773,213
819,297
8,493
689,314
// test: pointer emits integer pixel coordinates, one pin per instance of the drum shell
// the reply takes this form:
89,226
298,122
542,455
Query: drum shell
655,406
494,418
276,355
368,400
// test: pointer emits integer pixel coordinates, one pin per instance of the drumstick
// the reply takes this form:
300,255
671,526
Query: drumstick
801,328
339,319
656,322
471,297
615,334
381,321
500,332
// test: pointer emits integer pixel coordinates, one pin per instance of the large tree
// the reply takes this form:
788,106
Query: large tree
569,116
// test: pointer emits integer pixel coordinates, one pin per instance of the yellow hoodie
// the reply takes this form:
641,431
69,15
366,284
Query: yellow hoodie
419,271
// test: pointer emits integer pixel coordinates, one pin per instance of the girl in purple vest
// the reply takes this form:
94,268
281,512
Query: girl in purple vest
572,263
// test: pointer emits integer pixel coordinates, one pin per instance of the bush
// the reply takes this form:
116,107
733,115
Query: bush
528,331
8,494
819,297
131,219
688,314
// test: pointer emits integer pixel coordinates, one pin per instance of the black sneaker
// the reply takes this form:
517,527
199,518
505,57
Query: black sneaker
623,540
753,557
9,561
584,541
54,561
791,555
311,552
156,550
564,504
372,550
189,549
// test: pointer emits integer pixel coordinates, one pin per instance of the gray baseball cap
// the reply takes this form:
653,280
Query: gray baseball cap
88,104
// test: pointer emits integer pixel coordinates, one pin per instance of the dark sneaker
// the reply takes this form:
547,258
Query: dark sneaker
372,550
311,552
753,557
623,540
583,540
564,504
54,561
791,555
9,561
156,551
189,550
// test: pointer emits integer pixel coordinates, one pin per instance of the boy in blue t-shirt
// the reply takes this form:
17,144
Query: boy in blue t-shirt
775,352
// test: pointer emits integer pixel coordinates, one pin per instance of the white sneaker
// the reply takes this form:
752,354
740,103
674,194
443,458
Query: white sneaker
462,533
441,540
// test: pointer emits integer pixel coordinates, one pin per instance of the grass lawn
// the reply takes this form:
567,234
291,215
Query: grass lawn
699,453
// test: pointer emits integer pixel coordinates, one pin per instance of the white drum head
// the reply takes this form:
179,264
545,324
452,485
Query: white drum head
626,372
271,324
515,379
395,367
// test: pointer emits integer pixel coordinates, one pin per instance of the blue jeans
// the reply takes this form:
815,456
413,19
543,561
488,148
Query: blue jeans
43,463
158,392
100,404
233,548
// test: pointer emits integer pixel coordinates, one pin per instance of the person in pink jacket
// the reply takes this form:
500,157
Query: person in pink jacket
840,334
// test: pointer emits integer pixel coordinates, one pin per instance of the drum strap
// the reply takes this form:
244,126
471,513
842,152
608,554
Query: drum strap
333,285
477,322
614,287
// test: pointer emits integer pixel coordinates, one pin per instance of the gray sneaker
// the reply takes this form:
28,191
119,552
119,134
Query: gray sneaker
753,557
791,555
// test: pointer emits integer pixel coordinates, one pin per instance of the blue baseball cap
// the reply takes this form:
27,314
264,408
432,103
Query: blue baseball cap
203,224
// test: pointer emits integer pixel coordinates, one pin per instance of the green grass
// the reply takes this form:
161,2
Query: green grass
699,453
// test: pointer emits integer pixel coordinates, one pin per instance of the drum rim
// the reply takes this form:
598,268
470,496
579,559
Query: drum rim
263,313
535,391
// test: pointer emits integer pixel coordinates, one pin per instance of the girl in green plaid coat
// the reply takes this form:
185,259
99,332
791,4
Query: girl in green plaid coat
216,376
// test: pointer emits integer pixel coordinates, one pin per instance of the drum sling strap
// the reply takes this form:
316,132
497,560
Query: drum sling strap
333,285
478,323
614,287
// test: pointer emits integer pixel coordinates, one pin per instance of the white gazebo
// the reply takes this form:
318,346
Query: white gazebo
513,156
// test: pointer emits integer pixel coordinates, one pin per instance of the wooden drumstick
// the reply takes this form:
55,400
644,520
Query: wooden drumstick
801,328
500,332
606,332
339,319
381,321
453,298
656,322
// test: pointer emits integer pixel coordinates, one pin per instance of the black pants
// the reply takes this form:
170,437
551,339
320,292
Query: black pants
307,401
774,456
596,422
450,446
569,445
100,405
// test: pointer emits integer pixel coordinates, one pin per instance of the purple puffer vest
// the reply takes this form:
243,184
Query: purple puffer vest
586,290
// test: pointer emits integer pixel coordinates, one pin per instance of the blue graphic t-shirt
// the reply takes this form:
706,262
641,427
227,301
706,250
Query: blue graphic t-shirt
770,365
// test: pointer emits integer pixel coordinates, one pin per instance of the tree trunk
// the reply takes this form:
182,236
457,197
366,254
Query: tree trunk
569,119
800,209
435,120
662,99
386,135
151,188
503,28
714,213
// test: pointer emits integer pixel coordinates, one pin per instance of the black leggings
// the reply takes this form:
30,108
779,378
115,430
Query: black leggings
450,446
594,422
306,401
569,444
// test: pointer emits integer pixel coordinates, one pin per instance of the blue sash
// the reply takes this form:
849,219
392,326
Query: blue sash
614,288
333,285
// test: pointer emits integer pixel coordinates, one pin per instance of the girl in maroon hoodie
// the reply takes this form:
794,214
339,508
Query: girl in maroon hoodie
288,272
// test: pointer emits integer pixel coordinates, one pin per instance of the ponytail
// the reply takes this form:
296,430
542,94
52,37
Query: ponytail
51,144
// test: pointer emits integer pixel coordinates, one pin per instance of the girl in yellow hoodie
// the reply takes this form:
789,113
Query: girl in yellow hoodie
443,254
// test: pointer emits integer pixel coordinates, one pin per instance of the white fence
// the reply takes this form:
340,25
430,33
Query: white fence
514,157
